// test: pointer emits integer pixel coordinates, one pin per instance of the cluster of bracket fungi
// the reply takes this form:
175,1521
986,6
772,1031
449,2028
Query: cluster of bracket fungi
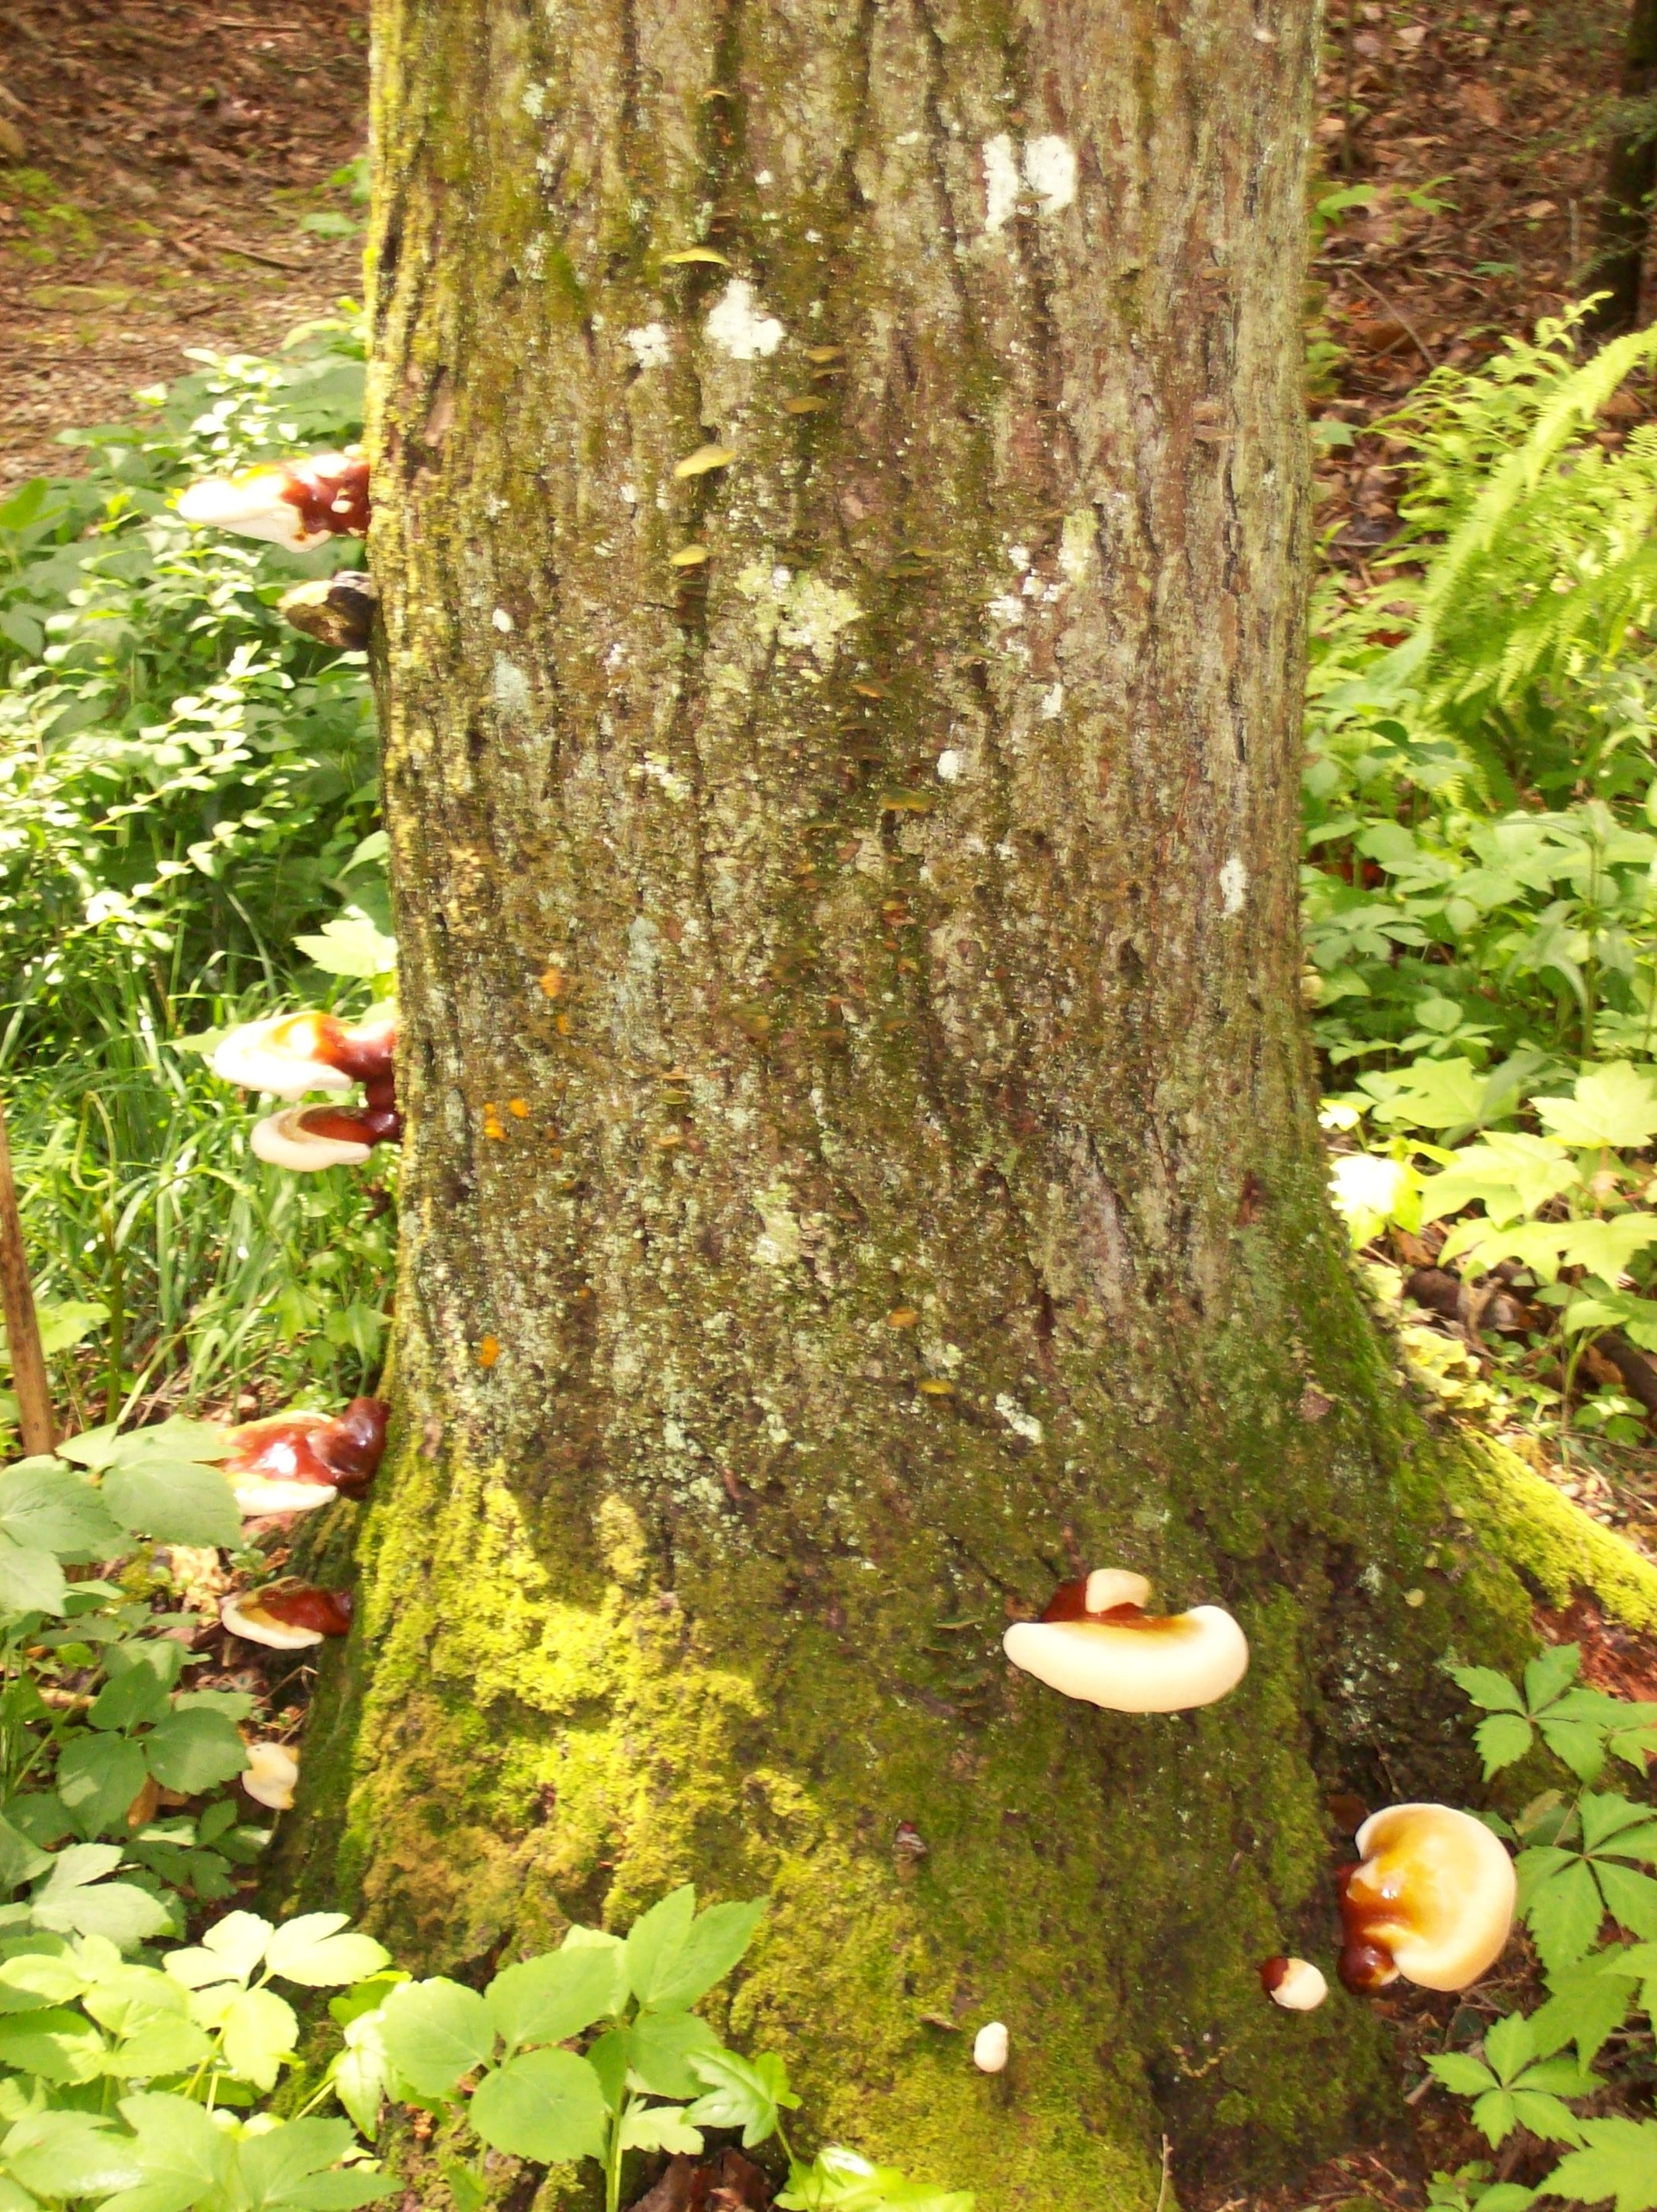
1431,1896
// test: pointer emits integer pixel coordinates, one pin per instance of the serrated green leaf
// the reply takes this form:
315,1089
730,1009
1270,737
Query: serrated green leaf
716,1940
60,2154
1563,1908
1619,2162
1579,1745
656,1938
312,1951
1630,1897
174,1501
1588,2003
31,1581
1462,2073
98,1777
1509,2046
260,2030
1550,1674
549,1999
1485,1688
660,2048
48,1509
1545,2116
435,2032
1500,1739
1616,1106
60,2045
192,1750
740,2093
660,2127
183,2158
544,2105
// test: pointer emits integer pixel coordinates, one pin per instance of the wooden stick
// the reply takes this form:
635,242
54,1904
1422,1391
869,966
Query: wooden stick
28,1362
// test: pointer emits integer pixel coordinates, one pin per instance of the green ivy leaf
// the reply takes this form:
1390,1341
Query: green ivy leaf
545,2105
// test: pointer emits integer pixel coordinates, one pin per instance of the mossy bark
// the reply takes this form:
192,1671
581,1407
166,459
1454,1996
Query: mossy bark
861,1164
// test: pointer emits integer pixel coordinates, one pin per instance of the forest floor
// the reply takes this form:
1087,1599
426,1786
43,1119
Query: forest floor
170,179
165,185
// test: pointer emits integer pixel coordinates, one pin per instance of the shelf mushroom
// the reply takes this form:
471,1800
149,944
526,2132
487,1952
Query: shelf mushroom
338,610
310,1138
287,1616
271,1774
1294,1984
1095,1642
1431,1898
288,1054
293,1462
295,504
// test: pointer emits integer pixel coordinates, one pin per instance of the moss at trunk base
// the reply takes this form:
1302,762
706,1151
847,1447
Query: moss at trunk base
528,1730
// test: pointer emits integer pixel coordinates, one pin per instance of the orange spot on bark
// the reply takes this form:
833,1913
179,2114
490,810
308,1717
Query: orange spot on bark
488,1351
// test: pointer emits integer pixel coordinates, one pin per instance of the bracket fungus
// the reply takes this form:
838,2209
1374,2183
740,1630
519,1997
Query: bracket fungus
288,1054
293,1462
338,610
272,1772
1294,1984
287,1616
1095,1642
311,1138
1431,1898
990,2046
294,504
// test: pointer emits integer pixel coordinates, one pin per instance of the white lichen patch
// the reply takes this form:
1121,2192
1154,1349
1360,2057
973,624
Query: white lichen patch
1050,173
1000,182
949,764
511,686
805,614
1052,702
1233,886
780,1245
650,346
533,99
738,326
1022,1423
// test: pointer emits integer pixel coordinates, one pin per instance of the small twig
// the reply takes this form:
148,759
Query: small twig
28,1362
1167,2157
223,245
1397,313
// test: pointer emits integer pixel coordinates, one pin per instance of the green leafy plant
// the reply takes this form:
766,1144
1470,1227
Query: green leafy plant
1578,1864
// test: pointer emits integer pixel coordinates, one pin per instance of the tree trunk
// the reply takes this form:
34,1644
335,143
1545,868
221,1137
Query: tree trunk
1630,175
861,1165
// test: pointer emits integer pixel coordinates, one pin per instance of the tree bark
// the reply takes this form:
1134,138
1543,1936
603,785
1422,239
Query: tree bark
861,1164
1630,176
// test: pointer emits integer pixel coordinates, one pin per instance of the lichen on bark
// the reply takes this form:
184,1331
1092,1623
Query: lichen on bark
861,1164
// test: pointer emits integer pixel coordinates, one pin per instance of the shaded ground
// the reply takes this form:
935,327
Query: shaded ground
159,160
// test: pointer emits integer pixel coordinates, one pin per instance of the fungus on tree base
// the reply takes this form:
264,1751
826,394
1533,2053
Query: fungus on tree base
295,504
1294,1984
1096,1642
990,2047
272,1771
338,610
287,1616
1431,1898
293,1462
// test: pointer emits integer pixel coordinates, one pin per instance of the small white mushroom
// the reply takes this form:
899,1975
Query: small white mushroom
272,1772
284,1141
1432,1898
261,1494
1294,1984
244,1616
990,2047
1096,1642
279,1055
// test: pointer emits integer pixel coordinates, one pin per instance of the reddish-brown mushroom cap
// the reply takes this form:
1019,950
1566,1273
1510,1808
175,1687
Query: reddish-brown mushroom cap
1431,1898
1096,1642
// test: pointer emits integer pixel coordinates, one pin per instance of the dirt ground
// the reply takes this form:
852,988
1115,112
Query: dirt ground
159,163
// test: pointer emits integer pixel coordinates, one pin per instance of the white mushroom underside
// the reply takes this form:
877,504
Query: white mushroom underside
253,508
250,1620
281,1141
1163,1666
260,1494
1456,1891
